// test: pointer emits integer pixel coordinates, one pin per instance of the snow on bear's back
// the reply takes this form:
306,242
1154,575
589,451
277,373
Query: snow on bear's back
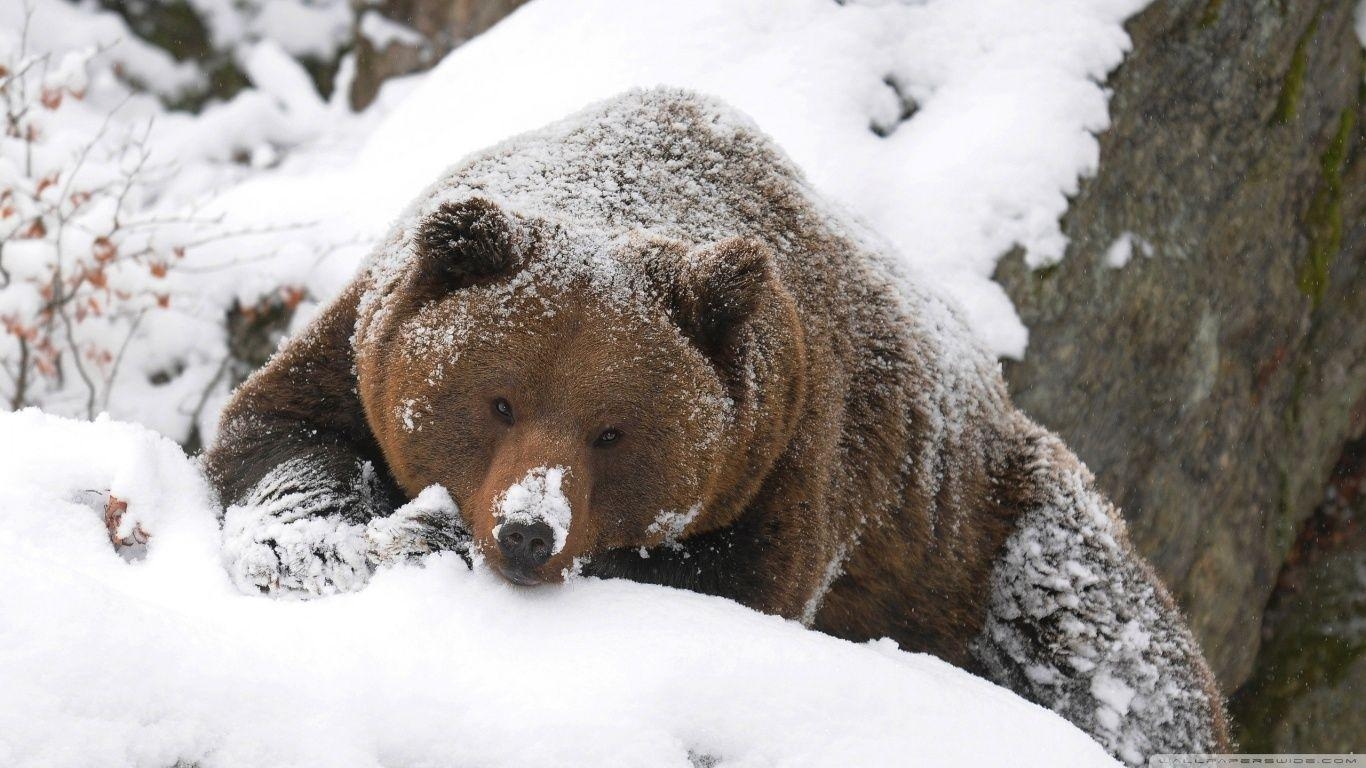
668,160
677,164
665,161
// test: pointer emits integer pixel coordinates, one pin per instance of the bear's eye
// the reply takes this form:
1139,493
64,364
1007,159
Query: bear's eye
503,408
607,438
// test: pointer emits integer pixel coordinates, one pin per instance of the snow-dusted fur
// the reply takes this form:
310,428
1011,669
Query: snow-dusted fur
845,454
1079,623
296,532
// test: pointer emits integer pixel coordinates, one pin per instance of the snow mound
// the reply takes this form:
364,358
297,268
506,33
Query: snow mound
110,660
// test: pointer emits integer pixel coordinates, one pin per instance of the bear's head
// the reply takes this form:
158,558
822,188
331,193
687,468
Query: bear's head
577,393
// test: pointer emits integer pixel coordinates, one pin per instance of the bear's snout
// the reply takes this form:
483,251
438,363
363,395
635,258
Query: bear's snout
532,520
525,548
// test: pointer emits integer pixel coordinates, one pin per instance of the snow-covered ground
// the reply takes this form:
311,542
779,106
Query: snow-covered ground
111,662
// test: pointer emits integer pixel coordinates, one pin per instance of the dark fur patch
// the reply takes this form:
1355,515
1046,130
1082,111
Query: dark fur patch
462,243
720,287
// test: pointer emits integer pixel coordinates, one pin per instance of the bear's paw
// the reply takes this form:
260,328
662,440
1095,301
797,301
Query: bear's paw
429,523
309,557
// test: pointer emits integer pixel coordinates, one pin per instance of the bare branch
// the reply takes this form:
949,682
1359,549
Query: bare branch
17,400
95,140
207,392
118,359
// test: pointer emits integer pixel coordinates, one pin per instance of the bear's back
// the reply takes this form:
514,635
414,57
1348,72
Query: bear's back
666,160
688,167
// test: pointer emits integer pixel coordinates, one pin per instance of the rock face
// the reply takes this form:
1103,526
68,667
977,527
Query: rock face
405,36
179,29
1309,699
1209,381
1305,695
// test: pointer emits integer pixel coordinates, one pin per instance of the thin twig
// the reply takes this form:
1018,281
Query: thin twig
131,176
208,390
85,151
118,359
21,380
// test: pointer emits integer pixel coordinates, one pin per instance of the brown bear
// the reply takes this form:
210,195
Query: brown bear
637,344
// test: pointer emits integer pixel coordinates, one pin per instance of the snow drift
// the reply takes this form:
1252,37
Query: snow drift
146,662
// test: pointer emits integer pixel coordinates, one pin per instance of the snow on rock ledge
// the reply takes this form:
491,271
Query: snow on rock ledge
144,663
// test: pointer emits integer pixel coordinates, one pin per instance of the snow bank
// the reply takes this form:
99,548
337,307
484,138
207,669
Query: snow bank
146,662
955,127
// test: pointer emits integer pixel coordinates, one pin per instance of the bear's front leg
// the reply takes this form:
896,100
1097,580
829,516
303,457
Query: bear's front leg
429,523
311,528
304,482
302,528
1079,623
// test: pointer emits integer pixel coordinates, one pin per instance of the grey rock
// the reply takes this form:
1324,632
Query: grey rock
442,25
1209,384
1307,693
1307,697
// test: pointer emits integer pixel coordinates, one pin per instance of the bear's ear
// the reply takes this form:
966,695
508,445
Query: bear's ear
719,288
461,243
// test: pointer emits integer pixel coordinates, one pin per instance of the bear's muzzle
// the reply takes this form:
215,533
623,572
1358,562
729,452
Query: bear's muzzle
525,548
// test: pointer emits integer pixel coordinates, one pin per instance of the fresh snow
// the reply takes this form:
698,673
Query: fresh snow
148,662
61,28
1122,250
672,524
306,28
383,32
538,498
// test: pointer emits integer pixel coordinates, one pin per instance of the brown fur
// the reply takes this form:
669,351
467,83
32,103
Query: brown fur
855,459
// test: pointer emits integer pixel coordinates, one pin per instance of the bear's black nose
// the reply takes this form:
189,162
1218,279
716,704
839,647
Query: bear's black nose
525,546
